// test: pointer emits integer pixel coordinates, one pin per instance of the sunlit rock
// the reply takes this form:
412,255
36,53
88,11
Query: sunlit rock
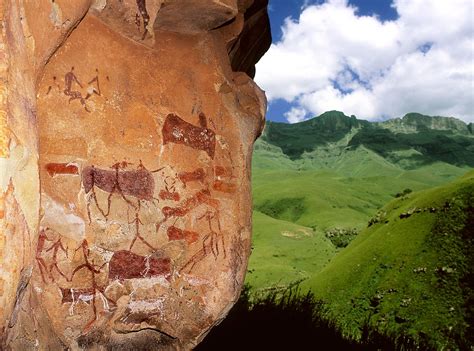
126,133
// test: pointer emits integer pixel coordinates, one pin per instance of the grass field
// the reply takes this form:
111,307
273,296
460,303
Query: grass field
410,275
284,253
289,198
325,198
403,277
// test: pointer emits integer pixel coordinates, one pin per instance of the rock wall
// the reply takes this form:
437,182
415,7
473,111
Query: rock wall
126,133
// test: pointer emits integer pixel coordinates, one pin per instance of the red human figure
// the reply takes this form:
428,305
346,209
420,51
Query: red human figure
92,268
69,79
210,243
40,260
138,222
54,265
85,253
91,89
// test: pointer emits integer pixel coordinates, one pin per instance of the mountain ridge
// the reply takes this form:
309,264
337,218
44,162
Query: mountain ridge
407,143
410,118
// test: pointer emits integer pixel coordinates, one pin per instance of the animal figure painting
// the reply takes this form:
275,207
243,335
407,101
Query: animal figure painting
183,202
178,131
128,265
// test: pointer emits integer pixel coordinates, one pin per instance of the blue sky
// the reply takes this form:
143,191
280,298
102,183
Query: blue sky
376,59
278,10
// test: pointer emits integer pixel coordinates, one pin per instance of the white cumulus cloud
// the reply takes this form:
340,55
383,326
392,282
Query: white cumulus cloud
333,59
295,115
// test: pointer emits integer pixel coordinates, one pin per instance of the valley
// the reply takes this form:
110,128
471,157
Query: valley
336,174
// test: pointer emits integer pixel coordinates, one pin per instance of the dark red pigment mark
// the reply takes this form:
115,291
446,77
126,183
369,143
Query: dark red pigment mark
220,171
42,238
168,195
43,267
141,4
175,233
229,188
127,265
70,79
210,243
201,197
219,184
195,176
178,131
138,183
61,168
94,270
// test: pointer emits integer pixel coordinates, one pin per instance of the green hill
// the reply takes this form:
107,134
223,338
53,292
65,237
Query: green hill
284,253
407,143
317,183
411,273
308,174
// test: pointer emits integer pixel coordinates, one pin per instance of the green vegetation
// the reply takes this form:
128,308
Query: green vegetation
289,320
341,237
405,275
284,253
427,146
411,275
404,192
408,143
295,139
326,199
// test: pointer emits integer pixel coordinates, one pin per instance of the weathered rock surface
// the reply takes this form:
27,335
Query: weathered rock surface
126,132
253,41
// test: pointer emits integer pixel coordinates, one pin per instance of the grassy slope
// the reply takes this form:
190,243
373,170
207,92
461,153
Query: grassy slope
284,253
320,199
375,276
328,199
330,185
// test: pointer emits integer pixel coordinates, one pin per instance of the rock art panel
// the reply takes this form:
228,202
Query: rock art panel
178,131
143,228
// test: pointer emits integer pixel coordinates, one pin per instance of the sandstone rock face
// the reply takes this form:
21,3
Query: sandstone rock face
126,134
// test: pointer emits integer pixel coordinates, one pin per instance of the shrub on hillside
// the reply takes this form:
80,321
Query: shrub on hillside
404,192
380,217
341,237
